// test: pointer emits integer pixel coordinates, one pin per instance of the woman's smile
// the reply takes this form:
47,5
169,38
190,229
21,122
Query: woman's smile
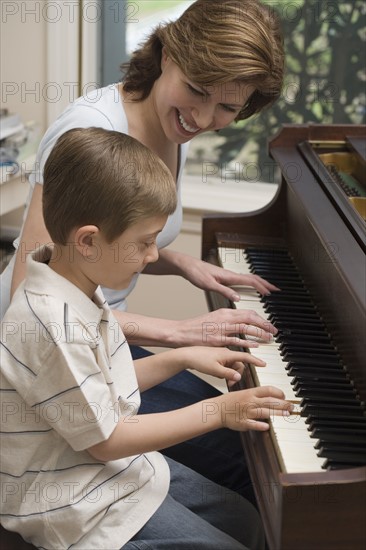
189,128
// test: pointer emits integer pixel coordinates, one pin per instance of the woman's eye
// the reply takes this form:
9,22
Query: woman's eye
230,109
194,90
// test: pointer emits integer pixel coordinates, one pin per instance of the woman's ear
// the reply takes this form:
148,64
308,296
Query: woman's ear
164,57
86,240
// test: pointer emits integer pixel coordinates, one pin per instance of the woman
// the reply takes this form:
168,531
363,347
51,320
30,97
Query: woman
221,61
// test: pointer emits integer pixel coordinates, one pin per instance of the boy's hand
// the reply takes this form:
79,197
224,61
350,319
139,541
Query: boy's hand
246,409
219,362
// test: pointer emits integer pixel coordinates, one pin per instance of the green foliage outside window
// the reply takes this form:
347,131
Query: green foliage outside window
325,78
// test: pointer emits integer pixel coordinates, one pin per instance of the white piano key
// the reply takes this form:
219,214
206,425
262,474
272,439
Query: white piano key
269,379
295,445
298,457
292,439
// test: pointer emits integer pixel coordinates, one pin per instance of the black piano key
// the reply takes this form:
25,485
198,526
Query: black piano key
281,277
282,309
307,340
305,370
284,276
328,447
312,359
299,293
278,261
264,256
330,403
289,316
336,386
330,450
307,325
343,387
293,325
267,252
353,456
324,355
334,443
291,302
306,348
335,435
285,285
336,465
281,269
327,398
358,423
330,395
301,297
320,410
281,272
286,315
256,256
285,328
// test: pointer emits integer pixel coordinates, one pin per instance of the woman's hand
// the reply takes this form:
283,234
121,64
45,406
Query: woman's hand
211,277
219,362
206,276
221,328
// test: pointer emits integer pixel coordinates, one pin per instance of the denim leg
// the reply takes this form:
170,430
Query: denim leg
218,455
199,515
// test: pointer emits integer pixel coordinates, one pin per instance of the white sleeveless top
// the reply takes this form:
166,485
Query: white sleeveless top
100,108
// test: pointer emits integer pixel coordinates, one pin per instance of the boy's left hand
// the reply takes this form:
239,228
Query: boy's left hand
219,362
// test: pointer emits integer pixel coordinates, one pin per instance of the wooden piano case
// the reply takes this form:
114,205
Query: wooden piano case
326,236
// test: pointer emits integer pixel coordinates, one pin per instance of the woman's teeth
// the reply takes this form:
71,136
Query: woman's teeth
186,126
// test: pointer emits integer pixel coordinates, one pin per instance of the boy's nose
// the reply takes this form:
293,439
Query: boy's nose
152,256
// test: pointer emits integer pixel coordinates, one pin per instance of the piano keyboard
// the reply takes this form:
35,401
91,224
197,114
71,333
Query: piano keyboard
330,430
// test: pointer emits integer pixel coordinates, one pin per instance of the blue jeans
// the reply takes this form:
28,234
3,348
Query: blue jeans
199,515
218,455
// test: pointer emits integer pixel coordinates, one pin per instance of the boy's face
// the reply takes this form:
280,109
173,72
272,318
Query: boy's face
127,255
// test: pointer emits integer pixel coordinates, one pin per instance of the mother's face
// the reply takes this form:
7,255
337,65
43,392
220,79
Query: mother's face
186,109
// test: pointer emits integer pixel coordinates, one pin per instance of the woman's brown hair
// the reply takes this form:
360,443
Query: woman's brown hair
213,42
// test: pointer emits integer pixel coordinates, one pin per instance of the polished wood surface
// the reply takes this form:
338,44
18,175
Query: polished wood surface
322,510
12,541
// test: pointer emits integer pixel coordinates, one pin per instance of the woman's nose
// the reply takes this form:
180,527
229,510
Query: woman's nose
203,115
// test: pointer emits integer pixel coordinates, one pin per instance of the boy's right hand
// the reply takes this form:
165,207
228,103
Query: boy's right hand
246,409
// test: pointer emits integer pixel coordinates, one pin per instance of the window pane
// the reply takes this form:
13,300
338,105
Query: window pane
148,14
325,79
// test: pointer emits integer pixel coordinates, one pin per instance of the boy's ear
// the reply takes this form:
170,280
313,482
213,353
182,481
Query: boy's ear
85,239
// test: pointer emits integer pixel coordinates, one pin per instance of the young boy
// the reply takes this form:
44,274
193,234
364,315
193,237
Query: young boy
79,466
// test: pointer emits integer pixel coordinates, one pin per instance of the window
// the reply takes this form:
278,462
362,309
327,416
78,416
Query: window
325,78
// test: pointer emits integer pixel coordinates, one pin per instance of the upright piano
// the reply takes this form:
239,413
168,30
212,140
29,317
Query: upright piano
308,470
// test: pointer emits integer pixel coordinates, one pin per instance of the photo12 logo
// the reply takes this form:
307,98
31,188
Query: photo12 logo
52,11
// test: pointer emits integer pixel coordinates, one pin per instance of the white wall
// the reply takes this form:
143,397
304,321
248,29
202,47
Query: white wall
39,66
23,60
23,70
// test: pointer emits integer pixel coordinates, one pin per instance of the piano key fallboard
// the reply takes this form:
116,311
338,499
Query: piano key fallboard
308,471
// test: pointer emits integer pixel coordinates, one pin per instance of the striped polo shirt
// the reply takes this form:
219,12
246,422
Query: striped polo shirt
67,378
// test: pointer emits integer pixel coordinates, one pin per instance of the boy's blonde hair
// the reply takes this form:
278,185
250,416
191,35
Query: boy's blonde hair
214,42
103,178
